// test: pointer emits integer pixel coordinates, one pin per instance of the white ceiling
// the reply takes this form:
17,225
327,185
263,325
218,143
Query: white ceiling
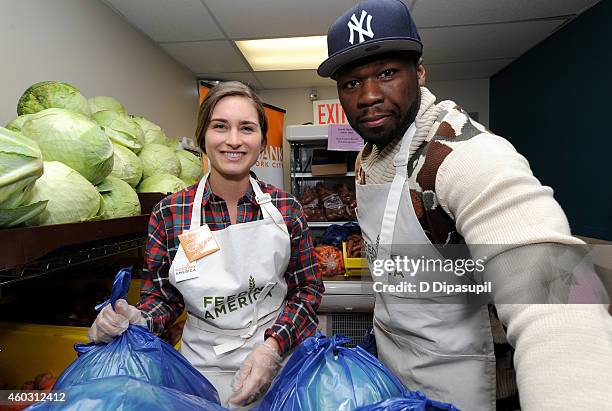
463,39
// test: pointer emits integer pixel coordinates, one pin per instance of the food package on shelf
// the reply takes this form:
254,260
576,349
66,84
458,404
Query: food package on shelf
310,204
330,260
354,246
335,210
349,199
336,234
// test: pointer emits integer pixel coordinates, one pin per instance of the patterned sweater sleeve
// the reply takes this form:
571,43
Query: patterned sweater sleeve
563,352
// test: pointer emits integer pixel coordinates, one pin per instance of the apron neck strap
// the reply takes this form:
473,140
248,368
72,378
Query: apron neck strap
395,194
400,161
196,209
267,208
263,199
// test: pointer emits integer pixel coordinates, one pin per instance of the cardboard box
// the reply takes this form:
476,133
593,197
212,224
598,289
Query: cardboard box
328,169
326,162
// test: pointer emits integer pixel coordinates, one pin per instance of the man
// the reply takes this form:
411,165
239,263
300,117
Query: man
430,176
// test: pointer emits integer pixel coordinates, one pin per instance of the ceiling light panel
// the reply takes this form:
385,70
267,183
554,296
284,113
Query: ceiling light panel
291,53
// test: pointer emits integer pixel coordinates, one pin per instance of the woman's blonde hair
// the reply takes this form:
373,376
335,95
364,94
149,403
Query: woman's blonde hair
228,89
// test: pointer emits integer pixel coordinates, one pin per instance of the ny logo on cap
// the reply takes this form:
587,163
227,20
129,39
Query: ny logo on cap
357,26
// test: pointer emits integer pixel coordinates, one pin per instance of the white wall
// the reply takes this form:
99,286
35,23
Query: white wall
472,95
84,43
296,102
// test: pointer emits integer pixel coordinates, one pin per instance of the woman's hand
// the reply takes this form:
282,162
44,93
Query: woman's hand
256,373
111,323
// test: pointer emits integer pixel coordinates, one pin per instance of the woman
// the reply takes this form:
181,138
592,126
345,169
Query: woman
252,300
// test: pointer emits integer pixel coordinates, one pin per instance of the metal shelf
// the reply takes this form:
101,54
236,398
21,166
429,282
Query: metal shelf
309,175
31,252
325,224
92,252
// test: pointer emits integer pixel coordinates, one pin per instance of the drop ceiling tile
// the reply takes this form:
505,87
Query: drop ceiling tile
484,42
163,20
207,56
292,79
246,78
251,19
436,13
464,70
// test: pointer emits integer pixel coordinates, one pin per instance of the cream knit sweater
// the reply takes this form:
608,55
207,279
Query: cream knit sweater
563,355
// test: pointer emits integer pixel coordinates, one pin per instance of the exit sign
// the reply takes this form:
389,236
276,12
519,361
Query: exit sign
328,112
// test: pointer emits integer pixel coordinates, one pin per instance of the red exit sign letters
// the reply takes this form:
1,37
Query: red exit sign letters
328,112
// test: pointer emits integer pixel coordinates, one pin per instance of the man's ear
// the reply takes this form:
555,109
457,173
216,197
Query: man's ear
421,73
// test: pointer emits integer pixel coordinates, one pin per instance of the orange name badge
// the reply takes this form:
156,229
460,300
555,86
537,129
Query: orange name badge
198,243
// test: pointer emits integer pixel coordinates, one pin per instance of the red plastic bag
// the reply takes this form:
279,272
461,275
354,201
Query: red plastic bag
330,260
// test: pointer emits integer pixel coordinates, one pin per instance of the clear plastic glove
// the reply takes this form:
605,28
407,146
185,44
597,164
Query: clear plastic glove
255,375
110,323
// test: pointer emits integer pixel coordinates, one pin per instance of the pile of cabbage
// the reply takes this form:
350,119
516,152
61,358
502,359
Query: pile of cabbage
68,159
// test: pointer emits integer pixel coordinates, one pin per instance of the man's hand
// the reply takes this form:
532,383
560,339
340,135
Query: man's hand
256,373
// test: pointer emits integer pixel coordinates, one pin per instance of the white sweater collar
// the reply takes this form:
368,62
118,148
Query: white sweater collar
378,164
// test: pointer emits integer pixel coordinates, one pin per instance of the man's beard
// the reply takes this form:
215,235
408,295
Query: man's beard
382,140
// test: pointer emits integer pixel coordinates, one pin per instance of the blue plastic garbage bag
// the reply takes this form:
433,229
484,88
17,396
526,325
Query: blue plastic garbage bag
323,375
369,342
136,353
126,394
336,233
410,401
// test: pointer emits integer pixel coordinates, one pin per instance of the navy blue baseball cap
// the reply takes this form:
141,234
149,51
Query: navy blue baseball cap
370,27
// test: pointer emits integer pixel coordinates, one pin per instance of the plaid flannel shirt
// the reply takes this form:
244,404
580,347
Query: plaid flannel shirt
161,303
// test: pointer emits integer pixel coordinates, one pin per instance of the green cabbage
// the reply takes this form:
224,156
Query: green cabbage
21,163
156,137
13,217
191,167
126,165
73,139
159,159
49,94
20,166
17,124
161,183
120,199
71,198
172,143
153,133
101,103
120,129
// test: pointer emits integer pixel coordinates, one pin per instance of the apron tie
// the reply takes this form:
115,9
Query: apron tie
251,329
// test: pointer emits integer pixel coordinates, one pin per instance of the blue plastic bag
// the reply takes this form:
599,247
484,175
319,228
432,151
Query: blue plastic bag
411,401
126,394
369,342
336,233
136,353
323,375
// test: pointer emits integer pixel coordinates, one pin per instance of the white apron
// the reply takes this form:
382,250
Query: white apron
238,293
444,350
